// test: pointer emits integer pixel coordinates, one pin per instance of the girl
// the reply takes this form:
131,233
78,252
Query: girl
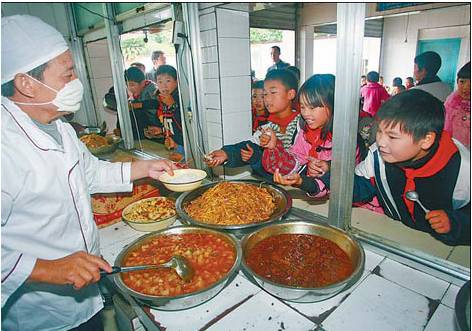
312,147
305,163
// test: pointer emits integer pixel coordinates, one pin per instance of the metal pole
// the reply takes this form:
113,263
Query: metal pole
350,35
190,14
117,67
77,48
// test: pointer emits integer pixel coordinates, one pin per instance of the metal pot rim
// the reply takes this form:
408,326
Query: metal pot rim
341,284
274,188
175,230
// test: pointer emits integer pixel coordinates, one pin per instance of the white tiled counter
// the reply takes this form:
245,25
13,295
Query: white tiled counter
389,296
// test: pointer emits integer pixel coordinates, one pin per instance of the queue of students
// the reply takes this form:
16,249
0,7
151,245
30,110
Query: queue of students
412,149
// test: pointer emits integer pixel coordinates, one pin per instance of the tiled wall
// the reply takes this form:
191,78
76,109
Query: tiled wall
225,53
99,68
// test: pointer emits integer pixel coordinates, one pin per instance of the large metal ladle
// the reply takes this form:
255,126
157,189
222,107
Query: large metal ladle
177,262
413,196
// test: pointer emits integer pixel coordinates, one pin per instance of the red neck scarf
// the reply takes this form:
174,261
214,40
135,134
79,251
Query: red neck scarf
445,151
315,140
282,122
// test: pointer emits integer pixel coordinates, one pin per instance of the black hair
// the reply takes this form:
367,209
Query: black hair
134,74
8,88
294,70
373,76
410,79
258,84
318,91
156,54
285,77
416,111
166,69
363,76
397,81
430,61
137,64
277,48
464,72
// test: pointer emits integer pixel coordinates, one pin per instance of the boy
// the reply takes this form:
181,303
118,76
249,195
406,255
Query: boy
168,111
413,153
425,71
280,88
142,101
259,112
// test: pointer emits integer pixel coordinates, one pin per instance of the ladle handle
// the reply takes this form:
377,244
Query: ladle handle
115,269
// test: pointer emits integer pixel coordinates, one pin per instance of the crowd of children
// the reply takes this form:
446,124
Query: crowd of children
415,142
412,148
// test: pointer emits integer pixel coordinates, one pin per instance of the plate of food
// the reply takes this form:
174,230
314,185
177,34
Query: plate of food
150,214
183,179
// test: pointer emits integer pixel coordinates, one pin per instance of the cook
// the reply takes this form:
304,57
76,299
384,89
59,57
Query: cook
50,244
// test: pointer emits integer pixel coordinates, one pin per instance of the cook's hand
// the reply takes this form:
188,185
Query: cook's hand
216,158
151,168
78,269
246,154
268,138
317,168
439,221
288,180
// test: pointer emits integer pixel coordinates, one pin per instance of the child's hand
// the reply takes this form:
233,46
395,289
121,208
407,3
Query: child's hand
216,158
153,131
289,180
170,143
439,221
317,168
167,99
246,154
268,138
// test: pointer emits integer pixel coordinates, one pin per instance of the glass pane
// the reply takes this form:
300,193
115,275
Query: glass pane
87,14
261,42
121,7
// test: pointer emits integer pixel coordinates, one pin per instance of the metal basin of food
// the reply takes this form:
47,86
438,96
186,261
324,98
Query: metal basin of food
183,301
283,203
298,294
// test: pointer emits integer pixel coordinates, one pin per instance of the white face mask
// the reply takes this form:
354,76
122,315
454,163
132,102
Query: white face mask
67,99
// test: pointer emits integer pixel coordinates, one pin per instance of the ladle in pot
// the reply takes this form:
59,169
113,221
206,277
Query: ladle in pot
177,262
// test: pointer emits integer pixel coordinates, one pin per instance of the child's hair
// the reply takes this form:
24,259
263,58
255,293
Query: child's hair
416,111
431,61
134,74
318,91
397,81
294,70
283,76
464,72
373,76
166,69
258,84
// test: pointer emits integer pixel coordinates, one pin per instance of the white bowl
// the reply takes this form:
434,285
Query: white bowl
148,226
183,179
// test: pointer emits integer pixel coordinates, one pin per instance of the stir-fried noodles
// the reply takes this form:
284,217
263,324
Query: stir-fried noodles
232,204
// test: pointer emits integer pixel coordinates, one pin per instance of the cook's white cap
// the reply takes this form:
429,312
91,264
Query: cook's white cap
28,42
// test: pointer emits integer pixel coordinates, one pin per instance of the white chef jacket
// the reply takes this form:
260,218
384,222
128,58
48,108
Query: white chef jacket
46,213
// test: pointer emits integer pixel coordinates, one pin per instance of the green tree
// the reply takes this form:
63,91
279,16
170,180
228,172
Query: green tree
265,35
133,47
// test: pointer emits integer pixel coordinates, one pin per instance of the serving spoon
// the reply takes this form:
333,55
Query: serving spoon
177,262
413,196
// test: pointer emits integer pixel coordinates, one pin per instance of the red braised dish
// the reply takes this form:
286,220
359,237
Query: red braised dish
301,260
209,255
